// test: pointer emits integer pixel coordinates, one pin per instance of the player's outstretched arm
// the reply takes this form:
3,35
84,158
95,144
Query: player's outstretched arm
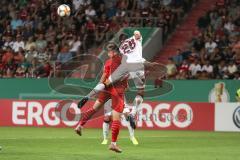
150,64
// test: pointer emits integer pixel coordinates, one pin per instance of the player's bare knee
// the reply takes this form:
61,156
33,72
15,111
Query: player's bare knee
107,119
138,99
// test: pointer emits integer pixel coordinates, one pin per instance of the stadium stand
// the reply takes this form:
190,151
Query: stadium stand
215,52
34,41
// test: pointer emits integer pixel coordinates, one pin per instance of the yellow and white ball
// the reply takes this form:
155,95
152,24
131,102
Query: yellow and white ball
63,10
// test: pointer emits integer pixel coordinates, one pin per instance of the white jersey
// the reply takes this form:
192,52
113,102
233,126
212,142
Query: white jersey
132,49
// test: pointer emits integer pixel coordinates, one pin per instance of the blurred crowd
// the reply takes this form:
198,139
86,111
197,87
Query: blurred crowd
33,37
215,52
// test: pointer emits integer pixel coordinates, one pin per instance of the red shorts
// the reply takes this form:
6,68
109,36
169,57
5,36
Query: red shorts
117,97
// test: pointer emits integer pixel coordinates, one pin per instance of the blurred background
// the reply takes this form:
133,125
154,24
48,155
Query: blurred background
45,58
196,39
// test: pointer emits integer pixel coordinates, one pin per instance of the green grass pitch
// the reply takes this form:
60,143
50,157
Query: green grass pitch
63,144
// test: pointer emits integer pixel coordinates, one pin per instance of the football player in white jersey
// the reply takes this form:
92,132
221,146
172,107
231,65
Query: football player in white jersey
107,121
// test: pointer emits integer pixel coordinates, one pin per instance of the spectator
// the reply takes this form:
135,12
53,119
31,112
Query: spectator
171,69
141,4
198,43
216,56
89,38
237,76
8,42
8,74
223,43
194,67
103,24
208,68
19,57
216,44
28,31
182,75
16,22
84,3
75,44
31,54
99,37
20,72
30,44
210,45
77,3
114,26
178,59
90,12
232,68
41,43
101,10
221,71
42,55
184,67
18,44
7,56
50,34
111,11
64,55
92,21
43,70
229,26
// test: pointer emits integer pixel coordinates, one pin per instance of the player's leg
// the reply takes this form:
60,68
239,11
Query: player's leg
106,125
87,115
115,131
139,81
107,120
102,98
117,105
137,101
126,112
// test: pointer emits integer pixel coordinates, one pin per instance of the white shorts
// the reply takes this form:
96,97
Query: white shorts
138,78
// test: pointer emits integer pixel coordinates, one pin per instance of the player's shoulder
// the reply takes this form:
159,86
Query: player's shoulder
108,62
117,58
131,38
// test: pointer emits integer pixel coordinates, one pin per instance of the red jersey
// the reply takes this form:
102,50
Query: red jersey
110,66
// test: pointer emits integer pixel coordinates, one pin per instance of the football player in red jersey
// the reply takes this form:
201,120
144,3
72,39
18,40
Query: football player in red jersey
114,92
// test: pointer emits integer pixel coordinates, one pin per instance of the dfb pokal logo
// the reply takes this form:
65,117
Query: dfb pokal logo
236,117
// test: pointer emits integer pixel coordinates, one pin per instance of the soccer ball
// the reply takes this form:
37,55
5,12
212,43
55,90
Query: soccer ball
63,10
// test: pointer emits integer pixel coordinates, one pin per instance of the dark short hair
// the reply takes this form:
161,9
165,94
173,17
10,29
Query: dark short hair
111,46
122,37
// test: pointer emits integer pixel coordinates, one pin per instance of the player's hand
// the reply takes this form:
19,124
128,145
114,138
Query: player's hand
154,63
